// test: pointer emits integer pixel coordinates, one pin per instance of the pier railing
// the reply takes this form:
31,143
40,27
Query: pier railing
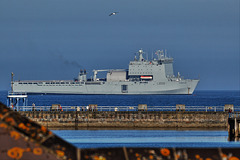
234,115
126,108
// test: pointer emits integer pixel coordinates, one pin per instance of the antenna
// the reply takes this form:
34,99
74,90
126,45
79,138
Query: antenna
12,82
135,57
160,54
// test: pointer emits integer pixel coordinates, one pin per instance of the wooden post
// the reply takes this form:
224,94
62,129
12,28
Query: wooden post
236,128
231,129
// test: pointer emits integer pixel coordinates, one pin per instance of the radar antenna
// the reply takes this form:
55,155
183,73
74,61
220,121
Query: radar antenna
159,53
140,52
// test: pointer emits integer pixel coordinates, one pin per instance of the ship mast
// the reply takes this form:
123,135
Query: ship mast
12,82
140,52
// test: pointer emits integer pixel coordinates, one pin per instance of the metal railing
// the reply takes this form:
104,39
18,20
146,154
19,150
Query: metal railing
234,115
125,108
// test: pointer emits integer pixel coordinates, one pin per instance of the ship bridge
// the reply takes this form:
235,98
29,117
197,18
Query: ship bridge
157,69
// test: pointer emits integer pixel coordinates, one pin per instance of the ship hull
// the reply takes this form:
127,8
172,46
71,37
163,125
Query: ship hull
119,88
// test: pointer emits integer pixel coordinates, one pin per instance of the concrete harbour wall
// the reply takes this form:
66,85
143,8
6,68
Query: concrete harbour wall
131,120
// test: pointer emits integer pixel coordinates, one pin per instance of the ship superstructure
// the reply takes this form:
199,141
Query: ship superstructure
142,77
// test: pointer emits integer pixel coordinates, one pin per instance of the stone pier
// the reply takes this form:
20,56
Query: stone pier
130,119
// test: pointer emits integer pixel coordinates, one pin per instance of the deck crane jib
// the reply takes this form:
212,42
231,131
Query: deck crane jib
96,71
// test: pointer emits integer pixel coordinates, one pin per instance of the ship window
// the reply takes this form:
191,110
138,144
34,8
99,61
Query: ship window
29,83
20,83
62,83
47,83
24,83
35,83
57,83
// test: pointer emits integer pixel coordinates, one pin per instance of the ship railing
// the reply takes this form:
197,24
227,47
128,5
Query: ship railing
128,108
16,93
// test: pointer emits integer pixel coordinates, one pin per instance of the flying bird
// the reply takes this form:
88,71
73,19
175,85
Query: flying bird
113,13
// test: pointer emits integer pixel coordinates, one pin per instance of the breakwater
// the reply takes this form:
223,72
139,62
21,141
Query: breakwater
23,139
130,119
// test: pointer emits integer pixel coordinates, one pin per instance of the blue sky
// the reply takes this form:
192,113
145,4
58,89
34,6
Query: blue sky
53,39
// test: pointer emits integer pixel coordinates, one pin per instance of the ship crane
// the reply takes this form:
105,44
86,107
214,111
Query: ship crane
104,70
96,71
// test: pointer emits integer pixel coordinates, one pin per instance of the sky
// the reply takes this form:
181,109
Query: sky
54,39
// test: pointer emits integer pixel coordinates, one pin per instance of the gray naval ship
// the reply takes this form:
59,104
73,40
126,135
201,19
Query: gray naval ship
142,77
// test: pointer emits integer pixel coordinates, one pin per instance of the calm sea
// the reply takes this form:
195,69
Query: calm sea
199,98
147,138
142,138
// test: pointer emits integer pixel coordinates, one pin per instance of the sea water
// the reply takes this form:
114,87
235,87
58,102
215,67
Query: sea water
147,138
199,98
142,138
